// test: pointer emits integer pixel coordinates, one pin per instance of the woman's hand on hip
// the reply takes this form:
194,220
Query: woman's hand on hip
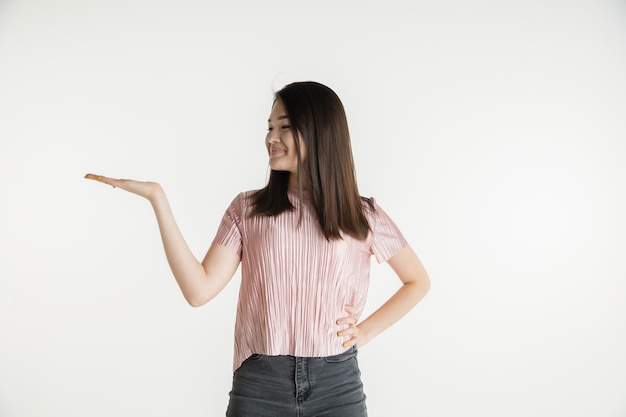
351,331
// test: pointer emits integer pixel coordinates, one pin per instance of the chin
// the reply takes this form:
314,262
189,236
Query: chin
279,167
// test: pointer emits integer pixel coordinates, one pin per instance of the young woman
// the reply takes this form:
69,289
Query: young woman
304,242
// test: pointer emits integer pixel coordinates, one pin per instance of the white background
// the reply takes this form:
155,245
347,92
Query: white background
493,132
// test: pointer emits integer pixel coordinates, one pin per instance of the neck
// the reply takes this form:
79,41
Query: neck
293,180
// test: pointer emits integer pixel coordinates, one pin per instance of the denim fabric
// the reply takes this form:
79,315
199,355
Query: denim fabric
288,386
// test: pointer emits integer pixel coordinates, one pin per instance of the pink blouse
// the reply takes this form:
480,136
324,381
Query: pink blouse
294,283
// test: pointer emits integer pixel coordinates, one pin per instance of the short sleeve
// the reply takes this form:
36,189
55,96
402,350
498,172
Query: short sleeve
229,231
387,240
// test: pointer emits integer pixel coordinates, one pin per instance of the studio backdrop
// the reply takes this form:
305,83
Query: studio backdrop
492,132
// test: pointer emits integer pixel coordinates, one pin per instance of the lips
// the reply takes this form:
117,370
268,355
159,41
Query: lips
277,151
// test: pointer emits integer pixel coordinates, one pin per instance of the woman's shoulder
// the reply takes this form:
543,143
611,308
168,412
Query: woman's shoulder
374,212
243,199
369,204
247,194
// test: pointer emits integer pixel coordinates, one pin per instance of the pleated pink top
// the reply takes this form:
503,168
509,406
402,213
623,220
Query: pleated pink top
294,283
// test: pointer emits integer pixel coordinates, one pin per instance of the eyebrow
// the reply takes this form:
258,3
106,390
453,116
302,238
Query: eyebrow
281,117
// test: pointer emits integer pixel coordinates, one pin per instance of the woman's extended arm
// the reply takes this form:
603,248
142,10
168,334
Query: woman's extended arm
199,282
415,285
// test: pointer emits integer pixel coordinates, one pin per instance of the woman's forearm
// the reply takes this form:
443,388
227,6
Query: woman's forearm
415,285
392,310
188,271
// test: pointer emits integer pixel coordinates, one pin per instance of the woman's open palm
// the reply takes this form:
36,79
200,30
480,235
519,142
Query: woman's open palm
146,189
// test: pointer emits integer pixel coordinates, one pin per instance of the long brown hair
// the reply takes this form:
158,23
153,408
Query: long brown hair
317,117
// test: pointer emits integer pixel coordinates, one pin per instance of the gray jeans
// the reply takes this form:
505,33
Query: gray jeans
288,386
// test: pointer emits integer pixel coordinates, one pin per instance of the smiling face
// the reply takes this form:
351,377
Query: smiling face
281,144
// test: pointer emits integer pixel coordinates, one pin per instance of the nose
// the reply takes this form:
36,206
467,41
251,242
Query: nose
272,137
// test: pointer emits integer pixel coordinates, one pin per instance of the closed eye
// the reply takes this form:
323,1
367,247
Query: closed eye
269,129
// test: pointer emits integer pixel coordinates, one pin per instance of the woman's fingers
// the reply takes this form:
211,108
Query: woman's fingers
351,331
349,319
353,334
101,178
143,188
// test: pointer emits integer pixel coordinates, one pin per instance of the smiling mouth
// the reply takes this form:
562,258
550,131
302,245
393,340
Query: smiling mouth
276,152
